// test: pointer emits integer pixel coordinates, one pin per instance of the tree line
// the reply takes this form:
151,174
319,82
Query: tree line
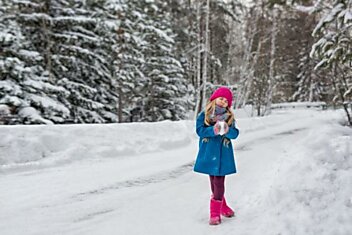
150,60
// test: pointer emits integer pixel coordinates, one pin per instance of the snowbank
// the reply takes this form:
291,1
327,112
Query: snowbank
26,145
313,193
61,143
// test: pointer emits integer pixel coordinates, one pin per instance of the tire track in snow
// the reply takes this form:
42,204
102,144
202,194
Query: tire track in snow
244,146
173,174
138,182
94,214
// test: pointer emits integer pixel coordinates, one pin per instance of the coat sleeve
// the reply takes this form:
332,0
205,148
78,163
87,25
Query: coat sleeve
203,130
233,131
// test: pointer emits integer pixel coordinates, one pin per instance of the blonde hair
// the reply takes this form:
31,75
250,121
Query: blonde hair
210,109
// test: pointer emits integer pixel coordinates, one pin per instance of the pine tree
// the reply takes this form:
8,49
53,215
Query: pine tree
125,44
165,93
185,27
310,86
334,30
333,49
26,87
79,62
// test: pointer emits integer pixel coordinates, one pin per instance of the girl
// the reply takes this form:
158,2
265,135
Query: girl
216,127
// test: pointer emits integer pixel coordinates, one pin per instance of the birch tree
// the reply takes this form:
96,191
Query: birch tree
271,77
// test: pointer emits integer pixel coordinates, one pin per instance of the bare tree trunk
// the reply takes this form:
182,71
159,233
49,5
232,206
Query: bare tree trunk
206,52
271,81
311,87
249,80
48,42
119,111
247,71
152,99
199,54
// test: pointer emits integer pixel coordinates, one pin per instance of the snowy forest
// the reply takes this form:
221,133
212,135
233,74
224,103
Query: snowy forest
108,61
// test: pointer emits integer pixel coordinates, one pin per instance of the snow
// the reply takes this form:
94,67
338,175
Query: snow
4,109
348,92
69,35
6,37
137,15
10,87
160,33
49,103
76,19
328,18
321,63
30,54
14,100
26,3
348,16
36,16
41,84
112,24
294,177
65,143
299,105
31,114
306,9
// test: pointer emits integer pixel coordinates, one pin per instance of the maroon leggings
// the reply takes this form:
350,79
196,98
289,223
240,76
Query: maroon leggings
217,184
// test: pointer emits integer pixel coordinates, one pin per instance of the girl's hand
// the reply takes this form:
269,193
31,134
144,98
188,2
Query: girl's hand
217,128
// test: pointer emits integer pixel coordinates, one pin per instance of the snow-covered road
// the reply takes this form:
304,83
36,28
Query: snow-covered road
158,193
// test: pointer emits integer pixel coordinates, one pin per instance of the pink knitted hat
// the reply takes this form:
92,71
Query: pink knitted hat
222,92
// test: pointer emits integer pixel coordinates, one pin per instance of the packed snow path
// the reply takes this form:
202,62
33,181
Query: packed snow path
158,193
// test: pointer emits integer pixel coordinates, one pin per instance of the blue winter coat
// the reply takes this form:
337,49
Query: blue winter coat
215,155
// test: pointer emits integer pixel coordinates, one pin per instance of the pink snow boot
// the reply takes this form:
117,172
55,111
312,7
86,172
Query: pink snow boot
215,207
226,210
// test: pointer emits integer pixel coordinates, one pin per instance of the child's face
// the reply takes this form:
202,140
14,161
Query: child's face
222,102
